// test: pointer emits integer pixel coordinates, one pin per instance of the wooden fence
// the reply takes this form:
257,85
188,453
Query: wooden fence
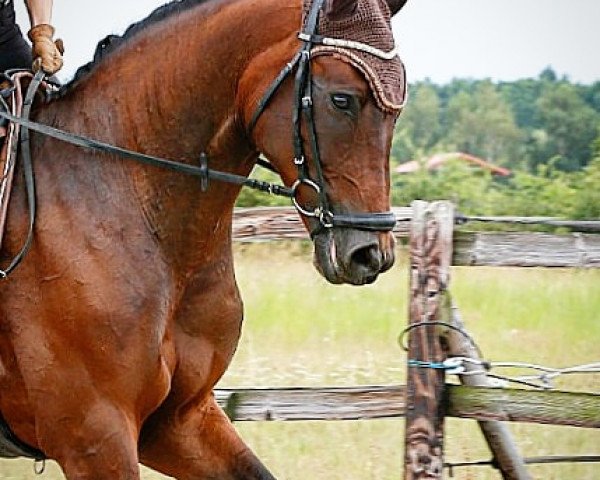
470,248
434,247
373,402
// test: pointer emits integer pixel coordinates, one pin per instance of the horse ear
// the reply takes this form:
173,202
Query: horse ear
396,5
340,9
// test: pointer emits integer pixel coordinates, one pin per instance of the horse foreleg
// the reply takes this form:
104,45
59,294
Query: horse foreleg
99,445
199,443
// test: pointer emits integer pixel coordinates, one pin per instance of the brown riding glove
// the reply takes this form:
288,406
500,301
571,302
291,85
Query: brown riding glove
47,53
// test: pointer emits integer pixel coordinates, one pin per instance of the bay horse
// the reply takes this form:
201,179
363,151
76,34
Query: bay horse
125,312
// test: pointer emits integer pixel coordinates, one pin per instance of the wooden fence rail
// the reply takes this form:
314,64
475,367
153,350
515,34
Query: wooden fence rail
470,248
374,402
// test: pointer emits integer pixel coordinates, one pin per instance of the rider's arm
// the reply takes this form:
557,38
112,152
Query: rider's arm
40,11
41,33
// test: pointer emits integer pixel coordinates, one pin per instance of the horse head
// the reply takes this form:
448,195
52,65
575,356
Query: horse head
326,124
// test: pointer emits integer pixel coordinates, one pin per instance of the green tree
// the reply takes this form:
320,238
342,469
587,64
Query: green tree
591,95
548,75
482,123
522,95
570,125
587,202
419,126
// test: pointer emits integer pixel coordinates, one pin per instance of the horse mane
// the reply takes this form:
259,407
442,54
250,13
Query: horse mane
111,42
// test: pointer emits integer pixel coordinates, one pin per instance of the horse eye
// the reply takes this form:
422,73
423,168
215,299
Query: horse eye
342,101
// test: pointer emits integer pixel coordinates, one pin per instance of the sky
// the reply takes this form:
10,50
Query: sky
438,39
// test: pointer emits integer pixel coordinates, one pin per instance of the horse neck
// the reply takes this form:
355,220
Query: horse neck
173,94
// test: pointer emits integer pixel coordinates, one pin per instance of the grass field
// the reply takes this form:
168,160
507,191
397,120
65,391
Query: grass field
301,331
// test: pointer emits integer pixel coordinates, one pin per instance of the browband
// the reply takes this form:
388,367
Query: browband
349,44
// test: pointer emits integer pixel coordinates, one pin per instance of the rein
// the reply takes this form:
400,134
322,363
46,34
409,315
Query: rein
202,171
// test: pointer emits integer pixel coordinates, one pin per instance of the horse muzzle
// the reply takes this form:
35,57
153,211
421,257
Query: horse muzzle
353,256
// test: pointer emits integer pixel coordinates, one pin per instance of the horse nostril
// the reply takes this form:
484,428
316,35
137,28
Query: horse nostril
368,257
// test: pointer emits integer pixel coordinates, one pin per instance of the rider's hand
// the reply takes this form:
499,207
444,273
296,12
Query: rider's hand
48,51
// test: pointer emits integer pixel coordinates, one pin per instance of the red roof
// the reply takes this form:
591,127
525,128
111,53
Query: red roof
438,160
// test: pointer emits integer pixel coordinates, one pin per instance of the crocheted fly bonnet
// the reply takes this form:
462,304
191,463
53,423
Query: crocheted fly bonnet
364,39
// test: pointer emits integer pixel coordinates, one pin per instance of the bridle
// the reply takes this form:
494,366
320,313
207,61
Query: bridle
303,108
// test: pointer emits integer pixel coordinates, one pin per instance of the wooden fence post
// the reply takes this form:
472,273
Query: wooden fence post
506,455
430,257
